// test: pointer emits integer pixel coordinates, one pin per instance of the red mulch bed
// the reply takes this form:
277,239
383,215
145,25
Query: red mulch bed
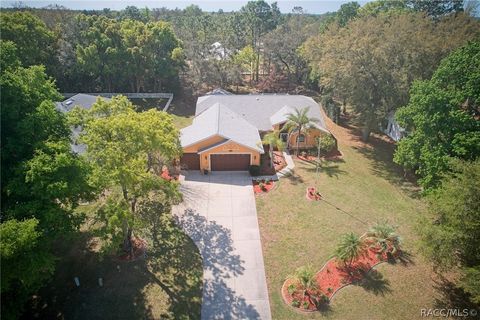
267,186
166,175
139,250
334,276
278,163
331,156
313,195
307,158
288,298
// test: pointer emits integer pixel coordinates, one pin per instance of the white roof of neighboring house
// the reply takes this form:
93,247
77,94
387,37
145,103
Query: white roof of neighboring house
259,109
219,51
393,129
220,120
219,91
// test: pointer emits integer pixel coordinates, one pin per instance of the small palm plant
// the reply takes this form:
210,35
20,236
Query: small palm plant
383,237
305,281
300,122
274,141
350,248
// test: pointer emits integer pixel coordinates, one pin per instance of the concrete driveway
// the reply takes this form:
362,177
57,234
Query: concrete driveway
219,214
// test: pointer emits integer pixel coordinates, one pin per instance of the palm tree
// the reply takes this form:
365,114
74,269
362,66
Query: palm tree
304,278
350,248
299,121
274,141
383,236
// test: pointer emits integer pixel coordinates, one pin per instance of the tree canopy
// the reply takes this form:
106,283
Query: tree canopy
124,147
32,38
42,180
450,231
373,60
442,117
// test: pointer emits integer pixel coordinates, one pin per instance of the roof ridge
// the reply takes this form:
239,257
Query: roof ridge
218,117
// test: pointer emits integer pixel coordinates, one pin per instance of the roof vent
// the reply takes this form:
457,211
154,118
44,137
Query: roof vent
258,98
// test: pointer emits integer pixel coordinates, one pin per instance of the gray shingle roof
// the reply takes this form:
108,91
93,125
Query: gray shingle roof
281,115
258,109
83,100
220,120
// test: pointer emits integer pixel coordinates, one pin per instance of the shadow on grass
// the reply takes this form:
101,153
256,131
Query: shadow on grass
326,167
451,296
405,258
375,283
380,152
166,284
371,280
219,262
294,178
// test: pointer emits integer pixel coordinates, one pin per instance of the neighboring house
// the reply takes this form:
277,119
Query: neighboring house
219,52
218,91
392,128
227,130
85,101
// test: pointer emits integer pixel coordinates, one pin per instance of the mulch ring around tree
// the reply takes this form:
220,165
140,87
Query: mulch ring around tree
138,251
263,186
313,195
334,276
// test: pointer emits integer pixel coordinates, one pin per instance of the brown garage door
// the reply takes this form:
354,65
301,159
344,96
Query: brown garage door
229,162
190,161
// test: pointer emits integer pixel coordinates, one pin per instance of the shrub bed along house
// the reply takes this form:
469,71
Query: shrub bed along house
262,186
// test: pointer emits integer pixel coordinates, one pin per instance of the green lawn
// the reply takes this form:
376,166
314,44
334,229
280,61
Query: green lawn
362,188
182,121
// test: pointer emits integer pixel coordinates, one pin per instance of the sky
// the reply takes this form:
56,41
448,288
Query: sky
319,6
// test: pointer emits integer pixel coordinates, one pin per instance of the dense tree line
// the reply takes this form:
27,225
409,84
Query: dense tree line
372,61
42,180
85,50
94,53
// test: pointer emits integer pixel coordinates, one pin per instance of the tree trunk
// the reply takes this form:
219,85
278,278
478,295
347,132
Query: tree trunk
271,155
257,67
127,230
366,133
298,140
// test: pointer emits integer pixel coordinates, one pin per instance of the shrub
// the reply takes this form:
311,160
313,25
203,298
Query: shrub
291,289
326,143
254,170
295,303
329,289
262,186
305,305
324,299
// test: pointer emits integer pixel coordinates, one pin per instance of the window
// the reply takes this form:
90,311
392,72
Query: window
301,138
284,137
